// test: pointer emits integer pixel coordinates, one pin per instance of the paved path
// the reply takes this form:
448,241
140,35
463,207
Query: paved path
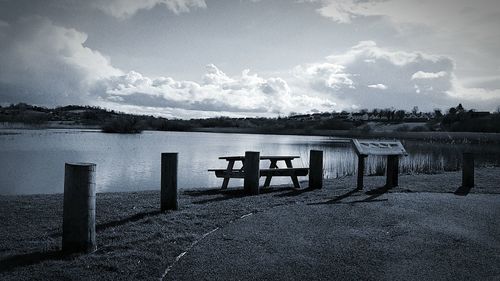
393,236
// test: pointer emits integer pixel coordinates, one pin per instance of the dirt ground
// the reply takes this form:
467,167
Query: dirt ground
435,233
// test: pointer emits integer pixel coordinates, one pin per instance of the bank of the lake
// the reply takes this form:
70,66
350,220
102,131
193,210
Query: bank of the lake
390,132
432,136
427,223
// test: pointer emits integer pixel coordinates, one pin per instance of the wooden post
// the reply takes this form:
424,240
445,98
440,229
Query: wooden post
467,169
392,171
316,169
169,181
361,170
252,172
79,208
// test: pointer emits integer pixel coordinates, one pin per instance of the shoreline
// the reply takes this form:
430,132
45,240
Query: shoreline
430,136
136,241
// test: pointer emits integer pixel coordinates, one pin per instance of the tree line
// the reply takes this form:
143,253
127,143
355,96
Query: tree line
455,118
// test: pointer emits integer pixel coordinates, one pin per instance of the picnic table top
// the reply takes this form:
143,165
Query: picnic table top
229,158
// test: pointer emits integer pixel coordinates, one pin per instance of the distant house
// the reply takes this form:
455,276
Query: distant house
322,116
359,116
300,117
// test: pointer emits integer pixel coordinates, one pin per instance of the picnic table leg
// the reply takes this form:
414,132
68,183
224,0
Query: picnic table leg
361,170
268,178
295,181
230,166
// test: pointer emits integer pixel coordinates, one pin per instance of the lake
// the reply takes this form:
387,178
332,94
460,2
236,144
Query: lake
32,161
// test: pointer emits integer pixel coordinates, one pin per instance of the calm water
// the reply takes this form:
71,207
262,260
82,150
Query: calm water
32,161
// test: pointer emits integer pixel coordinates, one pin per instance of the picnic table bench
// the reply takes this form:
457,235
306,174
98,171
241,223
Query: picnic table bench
272,171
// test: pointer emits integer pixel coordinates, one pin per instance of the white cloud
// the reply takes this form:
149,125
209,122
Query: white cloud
447,14
49,64
378,86
324,75
407,78
466,31
123,9
428,75
246,94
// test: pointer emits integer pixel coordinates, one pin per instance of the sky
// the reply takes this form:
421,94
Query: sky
204,58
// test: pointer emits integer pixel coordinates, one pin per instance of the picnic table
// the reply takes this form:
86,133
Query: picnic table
273,170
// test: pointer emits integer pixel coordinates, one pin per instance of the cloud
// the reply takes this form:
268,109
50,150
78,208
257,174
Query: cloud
428,75
48,64
353,79
378,86
123,9
442,13
463,30
246,94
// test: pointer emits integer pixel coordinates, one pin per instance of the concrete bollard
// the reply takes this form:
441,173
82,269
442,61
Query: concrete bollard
169,181
467,169
79,208
252,172
316,169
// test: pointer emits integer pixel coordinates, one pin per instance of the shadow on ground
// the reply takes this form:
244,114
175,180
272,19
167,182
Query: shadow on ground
12,262
110,224
462,190
373,195
227,194
295,192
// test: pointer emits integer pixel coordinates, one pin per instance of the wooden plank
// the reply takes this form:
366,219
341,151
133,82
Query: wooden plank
230,166
378,147
278,157
283,172
223,173
273,165
295,181
241,158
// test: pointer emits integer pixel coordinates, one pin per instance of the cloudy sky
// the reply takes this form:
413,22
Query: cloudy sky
202,58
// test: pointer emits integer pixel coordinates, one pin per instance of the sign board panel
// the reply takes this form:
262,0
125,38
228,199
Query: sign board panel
378,147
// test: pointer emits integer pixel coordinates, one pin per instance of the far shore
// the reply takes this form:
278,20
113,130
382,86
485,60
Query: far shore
138,242
438,136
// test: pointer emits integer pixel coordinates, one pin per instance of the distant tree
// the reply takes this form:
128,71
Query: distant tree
452,111
460,108
414,110
438,114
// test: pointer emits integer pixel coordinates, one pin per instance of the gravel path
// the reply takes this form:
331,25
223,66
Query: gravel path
394,236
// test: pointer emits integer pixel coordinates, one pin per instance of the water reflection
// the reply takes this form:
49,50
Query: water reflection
32,161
